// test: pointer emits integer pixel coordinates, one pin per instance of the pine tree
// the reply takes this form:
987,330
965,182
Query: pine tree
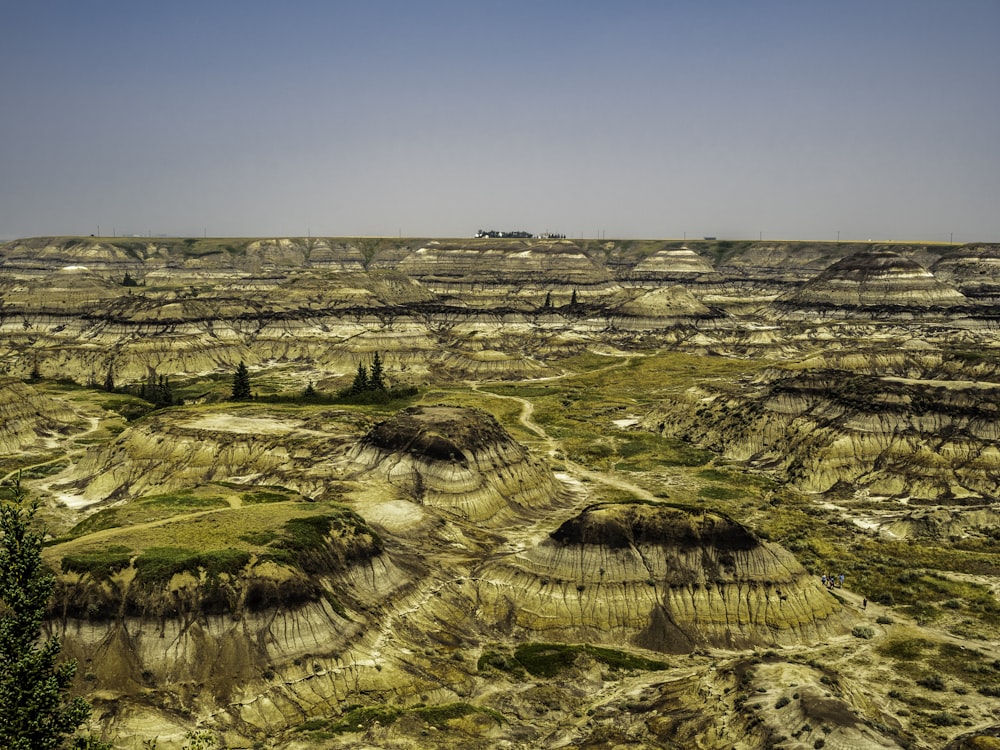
376,381
34,706
360,384
241,384
548,301
572,299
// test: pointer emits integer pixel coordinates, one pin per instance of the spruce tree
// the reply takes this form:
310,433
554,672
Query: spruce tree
241,384
360,384
35,710
376,381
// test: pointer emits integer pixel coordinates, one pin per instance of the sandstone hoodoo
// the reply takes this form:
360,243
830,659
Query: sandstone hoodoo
458,459
880,279
659,577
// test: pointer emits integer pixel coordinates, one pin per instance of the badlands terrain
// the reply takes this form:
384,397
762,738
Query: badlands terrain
598,504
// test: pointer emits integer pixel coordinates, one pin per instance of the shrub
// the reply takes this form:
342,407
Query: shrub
863,631
932,682
945,719
782,702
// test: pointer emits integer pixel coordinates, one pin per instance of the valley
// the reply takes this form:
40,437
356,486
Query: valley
593,509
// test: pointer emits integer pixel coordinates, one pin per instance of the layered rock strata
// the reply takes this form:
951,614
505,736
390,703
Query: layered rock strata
657,577
30,420
881,280
819,429
460,460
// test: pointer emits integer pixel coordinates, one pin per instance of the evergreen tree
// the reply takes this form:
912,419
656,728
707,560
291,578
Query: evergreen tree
241,384
572,300
548,301
310,391
360,384
35,712
376,381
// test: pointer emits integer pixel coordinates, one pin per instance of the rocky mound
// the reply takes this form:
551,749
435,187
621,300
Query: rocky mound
666,306
178,449
458,459
877,279
894,436
659,577
673,264
29,419
973,269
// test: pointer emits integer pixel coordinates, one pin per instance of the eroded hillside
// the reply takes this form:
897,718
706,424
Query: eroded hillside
597,508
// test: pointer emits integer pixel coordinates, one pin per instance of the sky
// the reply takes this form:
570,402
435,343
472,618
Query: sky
774,119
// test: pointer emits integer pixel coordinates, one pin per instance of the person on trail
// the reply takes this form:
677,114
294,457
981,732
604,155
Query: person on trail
841,580
823,579
864,603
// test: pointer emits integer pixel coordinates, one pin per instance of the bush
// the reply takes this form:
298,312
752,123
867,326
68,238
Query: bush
945,719
932,682
863,631
782,702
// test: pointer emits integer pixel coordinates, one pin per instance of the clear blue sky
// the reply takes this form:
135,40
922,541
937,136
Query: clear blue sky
632,118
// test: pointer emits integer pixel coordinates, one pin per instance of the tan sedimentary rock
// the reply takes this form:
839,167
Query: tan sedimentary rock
823,428
30,420
664,307
672,264
877,279
657,577
460,460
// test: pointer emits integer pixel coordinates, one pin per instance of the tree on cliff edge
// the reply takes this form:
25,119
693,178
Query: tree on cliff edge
35,710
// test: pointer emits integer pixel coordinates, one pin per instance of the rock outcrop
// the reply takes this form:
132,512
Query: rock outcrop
893,436
30,420
460,460
881,280
658,577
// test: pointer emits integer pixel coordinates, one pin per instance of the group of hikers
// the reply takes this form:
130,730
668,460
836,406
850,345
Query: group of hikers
833,582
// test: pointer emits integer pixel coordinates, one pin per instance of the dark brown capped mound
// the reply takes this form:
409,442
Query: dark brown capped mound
619,526
438,433
877,279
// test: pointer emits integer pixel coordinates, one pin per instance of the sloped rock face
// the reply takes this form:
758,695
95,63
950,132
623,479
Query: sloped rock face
29,419
657,577
507,273
673,265
457,459
662,308
881,279
901,437
973,269
166,452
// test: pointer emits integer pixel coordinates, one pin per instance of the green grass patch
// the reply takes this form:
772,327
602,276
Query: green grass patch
100,564
263,496
361,718
549,659
439,716
157,565
152,508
